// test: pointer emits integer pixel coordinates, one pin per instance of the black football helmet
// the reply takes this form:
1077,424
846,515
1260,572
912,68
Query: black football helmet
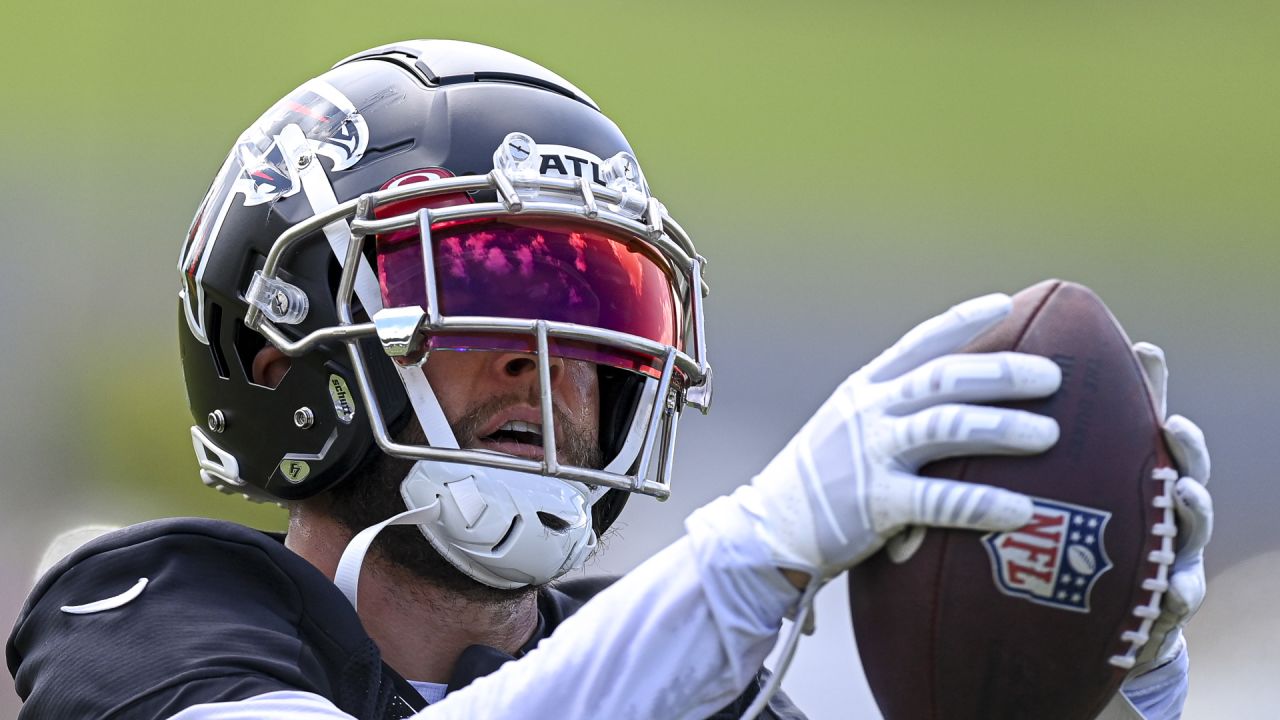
436,196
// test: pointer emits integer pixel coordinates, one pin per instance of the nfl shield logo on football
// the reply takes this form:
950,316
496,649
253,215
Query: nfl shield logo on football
1053,560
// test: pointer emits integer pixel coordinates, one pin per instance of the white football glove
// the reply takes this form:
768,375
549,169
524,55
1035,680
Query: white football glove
847,481
1194,509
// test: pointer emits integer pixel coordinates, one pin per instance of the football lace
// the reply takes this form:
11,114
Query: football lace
1163,558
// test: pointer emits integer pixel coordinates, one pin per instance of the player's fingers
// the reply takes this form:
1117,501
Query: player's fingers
980,377
1186,592
940,335
953,504
1152,359
902,546
951,430
1194,506
1190,452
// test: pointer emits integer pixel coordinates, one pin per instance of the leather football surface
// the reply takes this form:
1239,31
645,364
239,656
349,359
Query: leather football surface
1030,623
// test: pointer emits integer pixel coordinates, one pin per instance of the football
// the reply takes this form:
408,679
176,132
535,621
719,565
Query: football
1046,620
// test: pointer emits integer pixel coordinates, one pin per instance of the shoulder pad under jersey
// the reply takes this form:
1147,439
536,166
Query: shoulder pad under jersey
172,613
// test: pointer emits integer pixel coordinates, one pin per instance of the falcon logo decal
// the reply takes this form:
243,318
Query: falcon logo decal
327,120
268,179
316,120
1053,560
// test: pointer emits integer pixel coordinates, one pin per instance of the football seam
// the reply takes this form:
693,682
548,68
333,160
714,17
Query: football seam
1026,326
1165,528
1163,559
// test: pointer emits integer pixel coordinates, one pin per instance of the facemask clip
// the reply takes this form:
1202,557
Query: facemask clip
282,303
400,332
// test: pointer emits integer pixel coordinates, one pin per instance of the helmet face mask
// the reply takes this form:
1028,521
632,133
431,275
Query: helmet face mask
362,225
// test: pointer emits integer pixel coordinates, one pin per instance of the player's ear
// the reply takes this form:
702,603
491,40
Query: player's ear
270,366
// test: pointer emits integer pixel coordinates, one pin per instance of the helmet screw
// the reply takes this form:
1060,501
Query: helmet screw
217,421
303,417
280,303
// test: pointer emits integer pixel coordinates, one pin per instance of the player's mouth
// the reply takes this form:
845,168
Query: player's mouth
517,436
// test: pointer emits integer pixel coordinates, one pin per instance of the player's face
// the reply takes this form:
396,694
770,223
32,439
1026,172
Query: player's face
491,400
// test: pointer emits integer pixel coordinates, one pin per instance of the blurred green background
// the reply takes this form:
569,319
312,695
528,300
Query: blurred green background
848,169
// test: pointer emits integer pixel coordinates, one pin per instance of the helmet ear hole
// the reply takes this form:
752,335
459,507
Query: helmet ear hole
270,366
263,364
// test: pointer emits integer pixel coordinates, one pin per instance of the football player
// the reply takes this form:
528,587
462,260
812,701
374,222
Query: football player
431,304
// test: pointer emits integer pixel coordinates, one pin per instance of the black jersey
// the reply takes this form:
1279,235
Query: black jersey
227,613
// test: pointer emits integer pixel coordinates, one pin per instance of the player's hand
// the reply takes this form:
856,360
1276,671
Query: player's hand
848,480
1194,511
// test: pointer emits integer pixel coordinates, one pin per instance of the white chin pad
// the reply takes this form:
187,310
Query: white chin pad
504,528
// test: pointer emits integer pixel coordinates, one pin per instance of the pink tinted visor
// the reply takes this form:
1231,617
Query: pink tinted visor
553,270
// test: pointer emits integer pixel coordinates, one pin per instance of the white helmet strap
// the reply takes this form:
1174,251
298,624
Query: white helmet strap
347,577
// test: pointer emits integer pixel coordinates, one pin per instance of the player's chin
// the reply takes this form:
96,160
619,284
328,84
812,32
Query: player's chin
408,551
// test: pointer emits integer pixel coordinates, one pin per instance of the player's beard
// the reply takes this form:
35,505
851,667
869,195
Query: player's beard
374,495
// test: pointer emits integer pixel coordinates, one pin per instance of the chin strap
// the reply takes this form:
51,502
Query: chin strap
347,577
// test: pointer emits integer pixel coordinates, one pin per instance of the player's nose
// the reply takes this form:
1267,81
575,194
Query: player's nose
523,367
